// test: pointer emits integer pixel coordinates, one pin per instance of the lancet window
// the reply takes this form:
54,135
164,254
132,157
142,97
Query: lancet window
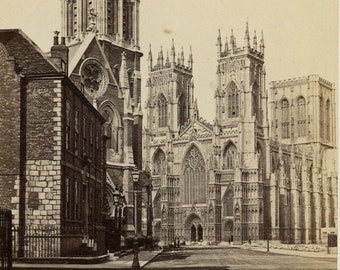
229,157
159,162
233,100
162,111
285,119
301,114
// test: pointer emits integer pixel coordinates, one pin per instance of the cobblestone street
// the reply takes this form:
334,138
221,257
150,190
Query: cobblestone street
234,258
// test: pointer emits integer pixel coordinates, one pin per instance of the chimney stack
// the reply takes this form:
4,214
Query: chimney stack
59,52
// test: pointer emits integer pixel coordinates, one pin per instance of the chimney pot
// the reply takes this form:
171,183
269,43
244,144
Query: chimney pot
62,41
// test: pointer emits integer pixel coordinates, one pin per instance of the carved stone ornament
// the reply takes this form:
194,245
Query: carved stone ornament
94,77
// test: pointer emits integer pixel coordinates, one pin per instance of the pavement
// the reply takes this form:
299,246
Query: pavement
114,262
147,258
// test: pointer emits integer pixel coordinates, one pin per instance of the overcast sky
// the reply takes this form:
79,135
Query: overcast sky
300,35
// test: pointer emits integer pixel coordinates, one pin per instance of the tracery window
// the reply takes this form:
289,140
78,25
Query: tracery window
228,203
194,177
157,207
159,162
301,115
255,103
285,119
233,100
229,157
162,112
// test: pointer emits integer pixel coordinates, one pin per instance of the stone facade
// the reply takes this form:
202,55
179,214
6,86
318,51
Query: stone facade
252,174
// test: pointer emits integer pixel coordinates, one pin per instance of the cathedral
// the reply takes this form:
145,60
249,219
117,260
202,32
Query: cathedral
266,167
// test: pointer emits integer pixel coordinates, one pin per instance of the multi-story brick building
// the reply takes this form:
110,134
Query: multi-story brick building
52,147
266,167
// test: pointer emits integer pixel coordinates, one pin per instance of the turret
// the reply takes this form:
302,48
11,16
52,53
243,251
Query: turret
182,57
262,43
232,41
246,37
173,53
219,44
161,57
167,61
226,47
190,60
150,58
255,41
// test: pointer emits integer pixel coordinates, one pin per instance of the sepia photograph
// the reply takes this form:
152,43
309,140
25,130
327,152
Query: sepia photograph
169,134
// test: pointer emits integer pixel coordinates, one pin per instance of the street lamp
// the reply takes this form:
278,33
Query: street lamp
116,196
135,178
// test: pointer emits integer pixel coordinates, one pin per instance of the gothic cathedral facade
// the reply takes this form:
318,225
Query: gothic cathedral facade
266,167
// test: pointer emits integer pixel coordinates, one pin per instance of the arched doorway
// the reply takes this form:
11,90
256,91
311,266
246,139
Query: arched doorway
193,229
228,231
157,230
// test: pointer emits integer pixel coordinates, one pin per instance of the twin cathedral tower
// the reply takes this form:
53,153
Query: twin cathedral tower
264,169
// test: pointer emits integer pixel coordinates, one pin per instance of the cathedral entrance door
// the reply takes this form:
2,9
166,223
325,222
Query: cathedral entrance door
193,229
228,231
199,233
193,233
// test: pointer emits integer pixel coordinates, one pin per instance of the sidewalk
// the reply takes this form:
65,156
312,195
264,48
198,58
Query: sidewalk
322,254
124,262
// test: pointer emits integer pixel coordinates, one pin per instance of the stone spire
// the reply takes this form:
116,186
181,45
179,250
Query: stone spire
262,43
161,57
190,60
219,43
255,41
232,41
167,61
150,58
246,37
123,74
182,57
226,47
173,52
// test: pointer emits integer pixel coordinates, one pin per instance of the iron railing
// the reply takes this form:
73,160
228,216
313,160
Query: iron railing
51,241
5,239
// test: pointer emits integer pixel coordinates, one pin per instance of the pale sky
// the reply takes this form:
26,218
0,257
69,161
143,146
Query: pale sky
300,35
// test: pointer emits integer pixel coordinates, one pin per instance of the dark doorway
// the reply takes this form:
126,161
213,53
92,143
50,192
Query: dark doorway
193,233
200,233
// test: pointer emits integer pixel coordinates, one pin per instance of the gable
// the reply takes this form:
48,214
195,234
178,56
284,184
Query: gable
195,130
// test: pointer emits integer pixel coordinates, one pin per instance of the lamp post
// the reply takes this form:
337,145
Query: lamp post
116,196
135,178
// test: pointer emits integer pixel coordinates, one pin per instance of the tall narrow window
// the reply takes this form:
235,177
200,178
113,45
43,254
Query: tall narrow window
85,147
229,157
322,118
228,203
328,120
162,111
301,115
285,124
159,162
76,132
91,140
233,100
67,198
68,125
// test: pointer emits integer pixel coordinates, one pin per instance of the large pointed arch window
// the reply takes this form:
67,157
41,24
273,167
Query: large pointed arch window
301,117
194,177
229,156
228,203
233,100
162,111
113,127
182,111
285,119
255,103
159,162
